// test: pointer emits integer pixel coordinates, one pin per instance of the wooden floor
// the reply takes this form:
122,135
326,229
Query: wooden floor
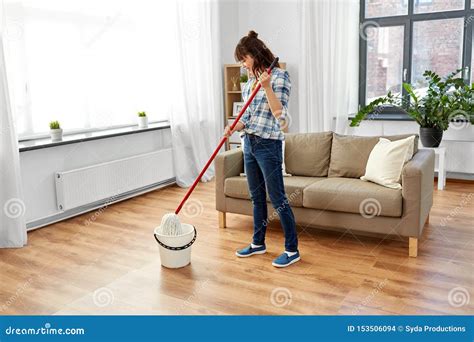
107,262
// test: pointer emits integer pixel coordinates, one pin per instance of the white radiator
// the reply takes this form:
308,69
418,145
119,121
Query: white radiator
75,188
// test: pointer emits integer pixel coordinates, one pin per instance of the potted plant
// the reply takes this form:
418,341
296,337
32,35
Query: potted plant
445,100
55,131
243,79
142,120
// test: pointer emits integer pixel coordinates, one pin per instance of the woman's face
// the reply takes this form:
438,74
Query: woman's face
247,63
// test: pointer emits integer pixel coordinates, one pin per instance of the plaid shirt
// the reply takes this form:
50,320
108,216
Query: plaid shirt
258,118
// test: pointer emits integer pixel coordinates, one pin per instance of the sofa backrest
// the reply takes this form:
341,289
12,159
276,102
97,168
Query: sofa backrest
308,154
349,153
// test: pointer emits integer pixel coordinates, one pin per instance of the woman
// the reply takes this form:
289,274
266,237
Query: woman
263,138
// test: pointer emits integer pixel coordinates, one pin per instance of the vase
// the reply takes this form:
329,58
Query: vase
431,137
56,134
142,122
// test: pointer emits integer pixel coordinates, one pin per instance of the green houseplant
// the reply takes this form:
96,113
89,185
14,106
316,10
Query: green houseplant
55,131
446,99
243,79
142,120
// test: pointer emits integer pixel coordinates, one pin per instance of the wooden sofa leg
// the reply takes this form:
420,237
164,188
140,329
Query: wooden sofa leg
222,219
427,219
413,247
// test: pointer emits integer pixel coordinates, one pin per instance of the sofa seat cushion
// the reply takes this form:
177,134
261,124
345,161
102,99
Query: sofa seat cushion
237,187
353,196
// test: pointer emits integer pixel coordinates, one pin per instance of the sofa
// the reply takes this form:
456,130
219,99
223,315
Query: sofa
325,190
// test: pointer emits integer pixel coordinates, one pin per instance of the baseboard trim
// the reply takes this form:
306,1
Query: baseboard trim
46,221
458,177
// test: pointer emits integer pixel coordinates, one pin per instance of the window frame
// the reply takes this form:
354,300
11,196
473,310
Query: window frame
408,20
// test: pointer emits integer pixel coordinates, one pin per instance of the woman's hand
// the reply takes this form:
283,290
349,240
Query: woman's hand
238,127
264,80
227,131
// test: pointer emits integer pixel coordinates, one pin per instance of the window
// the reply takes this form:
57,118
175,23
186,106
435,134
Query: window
386,60
385,8
437,46
88,64
428,6
400,39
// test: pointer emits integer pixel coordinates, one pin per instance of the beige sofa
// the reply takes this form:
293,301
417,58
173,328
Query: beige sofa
325,190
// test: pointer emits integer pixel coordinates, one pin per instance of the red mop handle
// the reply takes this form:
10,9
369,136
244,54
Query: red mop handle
242,111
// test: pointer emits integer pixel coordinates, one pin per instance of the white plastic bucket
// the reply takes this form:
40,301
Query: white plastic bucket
175,251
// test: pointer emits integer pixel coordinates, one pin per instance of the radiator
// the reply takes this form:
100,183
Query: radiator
75,188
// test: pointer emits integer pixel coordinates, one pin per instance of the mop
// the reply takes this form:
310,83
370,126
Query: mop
170,224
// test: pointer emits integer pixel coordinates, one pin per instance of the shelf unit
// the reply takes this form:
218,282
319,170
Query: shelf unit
231,96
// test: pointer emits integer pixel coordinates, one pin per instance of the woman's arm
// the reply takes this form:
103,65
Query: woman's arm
238,127
278,99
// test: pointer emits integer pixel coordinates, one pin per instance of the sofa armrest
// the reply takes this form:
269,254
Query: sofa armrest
417,191
228,164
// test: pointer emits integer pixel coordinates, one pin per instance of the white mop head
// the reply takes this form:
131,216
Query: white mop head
170,225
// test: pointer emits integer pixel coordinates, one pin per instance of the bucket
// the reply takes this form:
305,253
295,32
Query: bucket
175,251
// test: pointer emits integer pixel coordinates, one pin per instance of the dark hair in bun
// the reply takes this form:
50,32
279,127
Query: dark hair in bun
252,34
256,48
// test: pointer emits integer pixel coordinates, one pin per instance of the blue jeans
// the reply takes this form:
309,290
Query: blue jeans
263,166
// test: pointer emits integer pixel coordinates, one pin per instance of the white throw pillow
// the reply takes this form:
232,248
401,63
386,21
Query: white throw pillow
283,166
386,161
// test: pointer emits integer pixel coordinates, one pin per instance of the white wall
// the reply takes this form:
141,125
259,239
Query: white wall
38,167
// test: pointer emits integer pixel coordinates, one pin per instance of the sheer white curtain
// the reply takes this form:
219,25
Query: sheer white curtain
12,223
329,62
197,112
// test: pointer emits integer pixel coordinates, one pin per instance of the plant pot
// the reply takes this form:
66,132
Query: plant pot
431,137
142,122
242,84
56,134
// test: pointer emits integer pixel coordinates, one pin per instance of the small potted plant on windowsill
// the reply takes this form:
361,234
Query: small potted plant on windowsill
142,120
55,131
243,79
448,99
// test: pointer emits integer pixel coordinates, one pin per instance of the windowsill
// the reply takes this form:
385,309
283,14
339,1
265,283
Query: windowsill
395,117
386,117
40,143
